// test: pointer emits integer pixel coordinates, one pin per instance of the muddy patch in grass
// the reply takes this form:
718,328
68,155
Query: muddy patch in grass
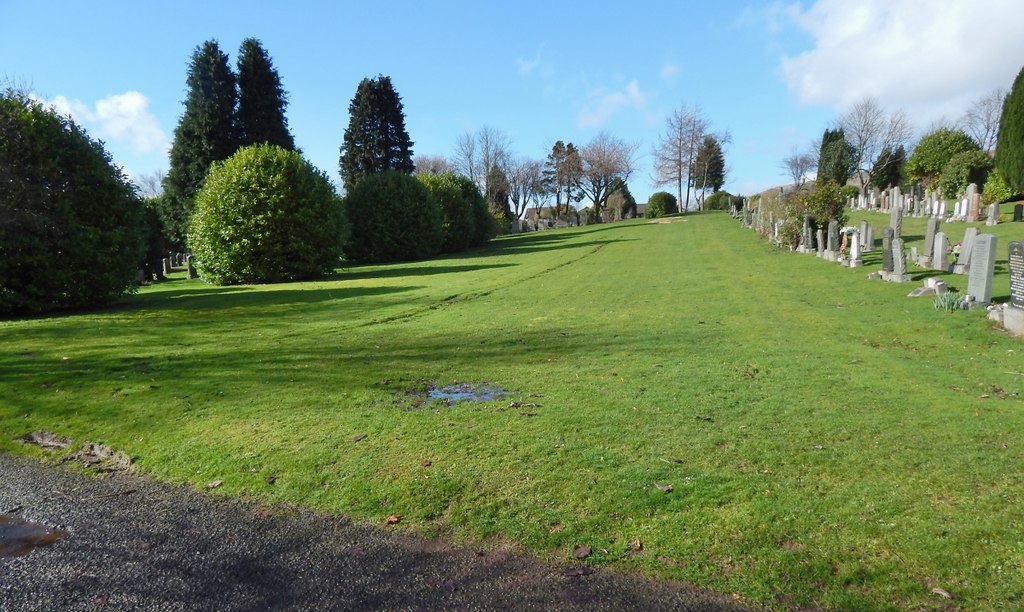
426,394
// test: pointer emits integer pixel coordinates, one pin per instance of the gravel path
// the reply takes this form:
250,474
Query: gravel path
134,544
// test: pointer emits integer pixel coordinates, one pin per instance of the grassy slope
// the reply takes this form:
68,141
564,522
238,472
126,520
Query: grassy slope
828,440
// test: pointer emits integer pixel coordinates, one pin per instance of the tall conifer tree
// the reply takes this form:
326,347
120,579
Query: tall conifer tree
261,99
376,139
207,132
1010,141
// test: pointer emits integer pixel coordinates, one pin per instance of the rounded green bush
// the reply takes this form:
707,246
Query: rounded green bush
266,215
996,190
934,151
394,218
963,169
71,223
660,204
458,223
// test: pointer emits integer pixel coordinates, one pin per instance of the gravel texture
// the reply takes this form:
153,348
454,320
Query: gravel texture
135,544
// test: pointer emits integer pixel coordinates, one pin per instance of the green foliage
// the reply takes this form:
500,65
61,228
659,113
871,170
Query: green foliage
660,204
562,170
1010,140
458,219
963,169
485,226
836,161
261,99
708,169
266,215
375,140
996,190
934,151
824,201
950,302
71,223
721,200
156,246
887,170
394,218
849,191
622,201
207,132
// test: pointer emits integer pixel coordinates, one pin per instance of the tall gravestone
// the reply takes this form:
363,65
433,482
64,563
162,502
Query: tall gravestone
1018,212
929,240
899,262
855,260
939,261
896,222
819,236
869,239
1015,263
983,261
963,260
887,262
832,246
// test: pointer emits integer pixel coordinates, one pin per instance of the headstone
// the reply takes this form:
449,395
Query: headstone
899,262
1018,213
939,261
929,239
993,215
1015,263
887,262
167,265
820,236
963,259
973,203
896,222
863,233
983,261
869,239
191,267
855,260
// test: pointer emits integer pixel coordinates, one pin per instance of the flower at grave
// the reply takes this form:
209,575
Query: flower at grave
955,249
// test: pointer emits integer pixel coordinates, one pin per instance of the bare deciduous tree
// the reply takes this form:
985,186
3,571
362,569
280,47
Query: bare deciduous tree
152,185
673,156
981,121
478,154
607,162
798,165
525,184
870,131
432,164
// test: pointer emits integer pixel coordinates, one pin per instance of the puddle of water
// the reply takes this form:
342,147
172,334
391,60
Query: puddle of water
19,537
451,394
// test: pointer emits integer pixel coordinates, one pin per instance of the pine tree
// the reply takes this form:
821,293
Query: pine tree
261,99
1010,141
207,132
835,158
376,139
888,169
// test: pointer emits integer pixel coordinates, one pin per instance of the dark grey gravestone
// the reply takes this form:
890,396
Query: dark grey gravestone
887,262
1016,266
833,235
1018,212
929,236
983,261
896,222
899,262
820,236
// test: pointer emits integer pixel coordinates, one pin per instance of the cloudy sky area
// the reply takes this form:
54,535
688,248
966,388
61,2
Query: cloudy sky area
774,75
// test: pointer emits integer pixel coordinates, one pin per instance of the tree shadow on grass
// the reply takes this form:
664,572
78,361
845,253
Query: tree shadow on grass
209,297
363,271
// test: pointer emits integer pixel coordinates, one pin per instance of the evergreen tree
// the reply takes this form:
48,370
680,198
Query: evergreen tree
375,140
835,158
261,99
707,173
207,132
562,170
888,169
1010,141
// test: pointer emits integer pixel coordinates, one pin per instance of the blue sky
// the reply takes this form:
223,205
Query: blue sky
773,75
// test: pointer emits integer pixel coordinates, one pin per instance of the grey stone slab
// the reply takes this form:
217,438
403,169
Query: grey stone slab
983,260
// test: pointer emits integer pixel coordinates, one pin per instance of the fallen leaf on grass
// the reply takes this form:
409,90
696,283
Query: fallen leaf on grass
664,488
523,405
636,545
942,593
394,519
582,552
359,437
426,463
214,484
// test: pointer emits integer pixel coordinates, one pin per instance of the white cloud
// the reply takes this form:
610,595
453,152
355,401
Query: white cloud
604,105
930,58
668,71
121,118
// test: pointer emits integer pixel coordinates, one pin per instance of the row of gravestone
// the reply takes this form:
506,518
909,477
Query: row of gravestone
174,260
932,204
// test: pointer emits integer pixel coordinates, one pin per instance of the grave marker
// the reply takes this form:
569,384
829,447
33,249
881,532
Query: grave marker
1016,265
939,253
983,260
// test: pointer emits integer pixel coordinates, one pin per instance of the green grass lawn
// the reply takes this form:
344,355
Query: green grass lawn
828,441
